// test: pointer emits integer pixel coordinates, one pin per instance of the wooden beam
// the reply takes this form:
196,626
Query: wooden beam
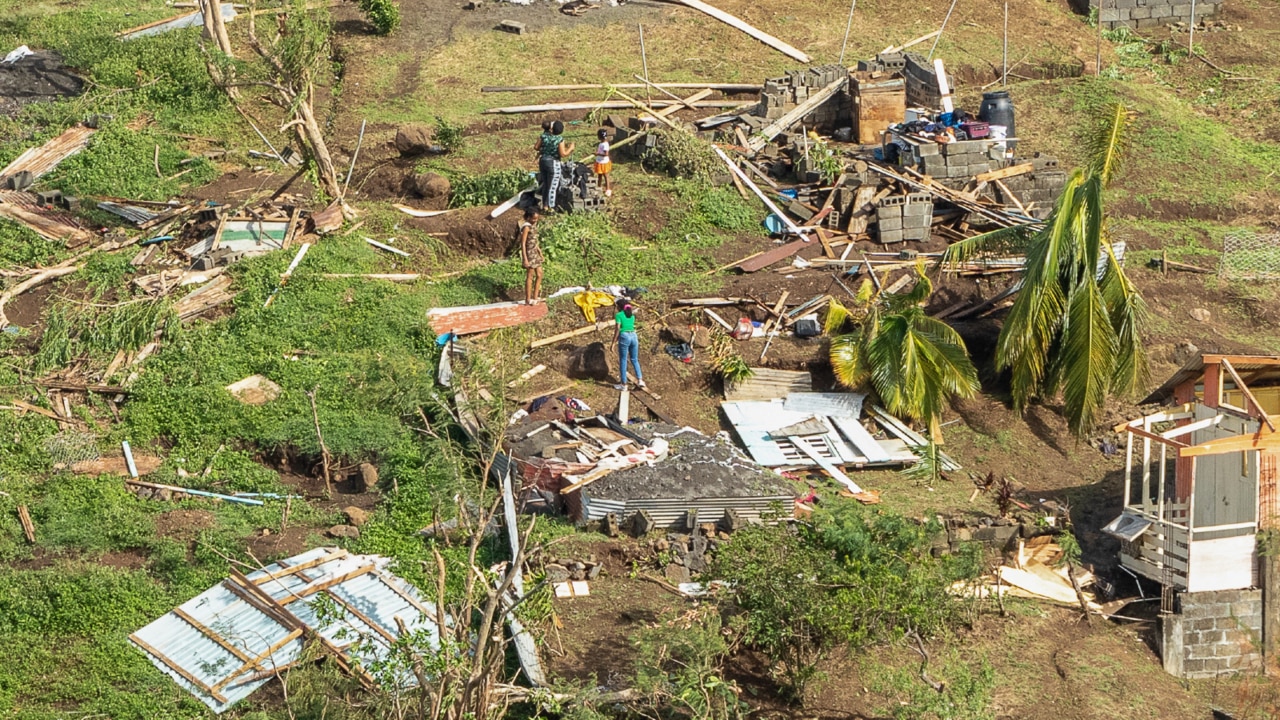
687,102
256,662
1257,441
1002,173
313,589
722,87
1158,438
288,570
609,105
572,333
791,226
770,131
1262,413
362,617
181,671
734,22
211,634
28,528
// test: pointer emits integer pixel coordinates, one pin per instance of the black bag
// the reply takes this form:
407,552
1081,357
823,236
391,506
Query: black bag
807,327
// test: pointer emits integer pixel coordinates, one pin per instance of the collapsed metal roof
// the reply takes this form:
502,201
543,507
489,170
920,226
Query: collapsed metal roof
228,641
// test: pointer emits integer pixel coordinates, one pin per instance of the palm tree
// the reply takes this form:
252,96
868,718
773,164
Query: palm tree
914,362
1074,326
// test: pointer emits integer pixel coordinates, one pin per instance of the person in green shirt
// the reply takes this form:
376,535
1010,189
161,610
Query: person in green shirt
628,343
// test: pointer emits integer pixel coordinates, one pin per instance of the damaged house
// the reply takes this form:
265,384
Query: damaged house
1200,483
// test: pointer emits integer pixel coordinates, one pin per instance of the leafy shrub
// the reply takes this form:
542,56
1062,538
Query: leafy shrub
448,135
684,155
491,188
680,666
383,14
120,162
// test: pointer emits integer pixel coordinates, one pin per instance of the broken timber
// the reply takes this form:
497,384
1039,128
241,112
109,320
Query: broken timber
734,22
770,257
45,158
722,87
612,105
571,333
478,318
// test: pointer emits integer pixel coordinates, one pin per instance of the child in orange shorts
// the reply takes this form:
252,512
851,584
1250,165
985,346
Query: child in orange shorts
604,164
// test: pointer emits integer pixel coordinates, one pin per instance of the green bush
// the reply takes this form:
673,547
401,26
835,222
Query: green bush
383,14
683,154
491,188
448,135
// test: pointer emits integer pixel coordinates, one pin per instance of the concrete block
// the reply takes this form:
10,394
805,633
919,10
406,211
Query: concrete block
1146,23
918,209
1161,11
927,149
512,26
891,236
1140,13
1182,11
889,223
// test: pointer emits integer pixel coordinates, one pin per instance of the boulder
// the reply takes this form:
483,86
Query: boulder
349,532
356,516
368,477
431,185
557,573
1200,315
254,390
414,139
588,363
676,574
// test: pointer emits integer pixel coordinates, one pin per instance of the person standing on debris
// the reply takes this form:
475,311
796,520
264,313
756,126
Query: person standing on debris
530,257
551,149
628,343
604,163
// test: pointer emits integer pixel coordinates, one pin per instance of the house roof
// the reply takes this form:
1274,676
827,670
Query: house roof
226,642
1195,369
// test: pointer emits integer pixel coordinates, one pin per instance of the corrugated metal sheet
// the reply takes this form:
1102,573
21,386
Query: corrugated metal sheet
175,23
45,158
132,213
670,512
209,644
478,318
245,236
767,384
848,405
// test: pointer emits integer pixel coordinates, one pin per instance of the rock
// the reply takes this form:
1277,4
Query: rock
1184,352
356,516
587,363
576,574
349,532
164,494
701,337
593,571
662,546
1199,315
696,562
414,139
254,390
556,573
430,185
724,536
676,574
368,477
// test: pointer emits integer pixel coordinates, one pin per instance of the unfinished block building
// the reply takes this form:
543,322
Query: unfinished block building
1200,485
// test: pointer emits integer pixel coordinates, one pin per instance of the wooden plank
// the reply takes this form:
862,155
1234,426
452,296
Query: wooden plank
288,570
610,105
1262,413
362,617
1257,441
181,671
212,635
722,87
832,470
1158,438
734,22
782,124
1009,197
256,662
1002,173
651,403
685,102
770,257
572,333
791,226
28,528
321,587
478,318
733,264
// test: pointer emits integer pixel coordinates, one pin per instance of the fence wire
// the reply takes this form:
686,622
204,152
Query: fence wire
70,447
1251,256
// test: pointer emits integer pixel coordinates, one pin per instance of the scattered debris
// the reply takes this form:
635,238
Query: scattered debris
177,22
479,318
36,162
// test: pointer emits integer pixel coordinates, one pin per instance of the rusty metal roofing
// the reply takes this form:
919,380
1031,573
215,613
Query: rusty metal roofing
478,318
231,639
1194,368
45,158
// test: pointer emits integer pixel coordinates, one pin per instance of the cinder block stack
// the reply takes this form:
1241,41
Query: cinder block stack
921,80
961,159
1151,13
781,95
904,217
1041,186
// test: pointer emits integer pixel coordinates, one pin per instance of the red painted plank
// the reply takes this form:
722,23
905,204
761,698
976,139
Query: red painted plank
478,318
781,252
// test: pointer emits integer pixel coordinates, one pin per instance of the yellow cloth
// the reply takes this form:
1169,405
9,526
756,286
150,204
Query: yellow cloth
589,300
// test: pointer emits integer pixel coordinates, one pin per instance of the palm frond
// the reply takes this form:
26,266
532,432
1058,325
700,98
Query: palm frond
1128,312
837,317
1107,144
1005,241
847,359
1089,353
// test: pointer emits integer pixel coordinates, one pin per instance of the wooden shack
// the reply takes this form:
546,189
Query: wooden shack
1200,477
879,100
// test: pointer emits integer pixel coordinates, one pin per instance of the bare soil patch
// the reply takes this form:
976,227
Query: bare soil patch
38,78
183,525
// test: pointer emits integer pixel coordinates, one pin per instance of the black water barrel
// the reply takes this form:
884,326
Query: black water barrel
997,109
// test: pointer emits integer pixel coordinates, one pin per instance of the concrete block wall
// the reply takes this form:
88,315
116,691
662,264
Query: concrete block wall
782,94
1140,14
1213,633
921,80
904,217
962,159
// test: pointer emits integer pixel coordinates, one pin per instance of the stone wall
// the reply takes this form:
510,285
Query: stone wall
1213,633
781,95
1150,13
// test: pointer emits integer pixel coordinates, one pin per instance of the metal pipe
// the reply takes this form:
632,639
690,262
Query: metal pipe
128,458
354,155
942,29
201,493
847,27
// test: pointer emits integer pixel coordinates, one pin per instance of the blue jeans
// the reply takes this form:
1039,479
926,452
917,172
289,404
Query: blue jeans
629,346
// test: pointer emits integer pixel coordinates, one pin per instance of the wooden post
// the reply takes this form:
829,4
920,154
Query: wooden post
1160,492
624,406
1128,469
1269,579
28,529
